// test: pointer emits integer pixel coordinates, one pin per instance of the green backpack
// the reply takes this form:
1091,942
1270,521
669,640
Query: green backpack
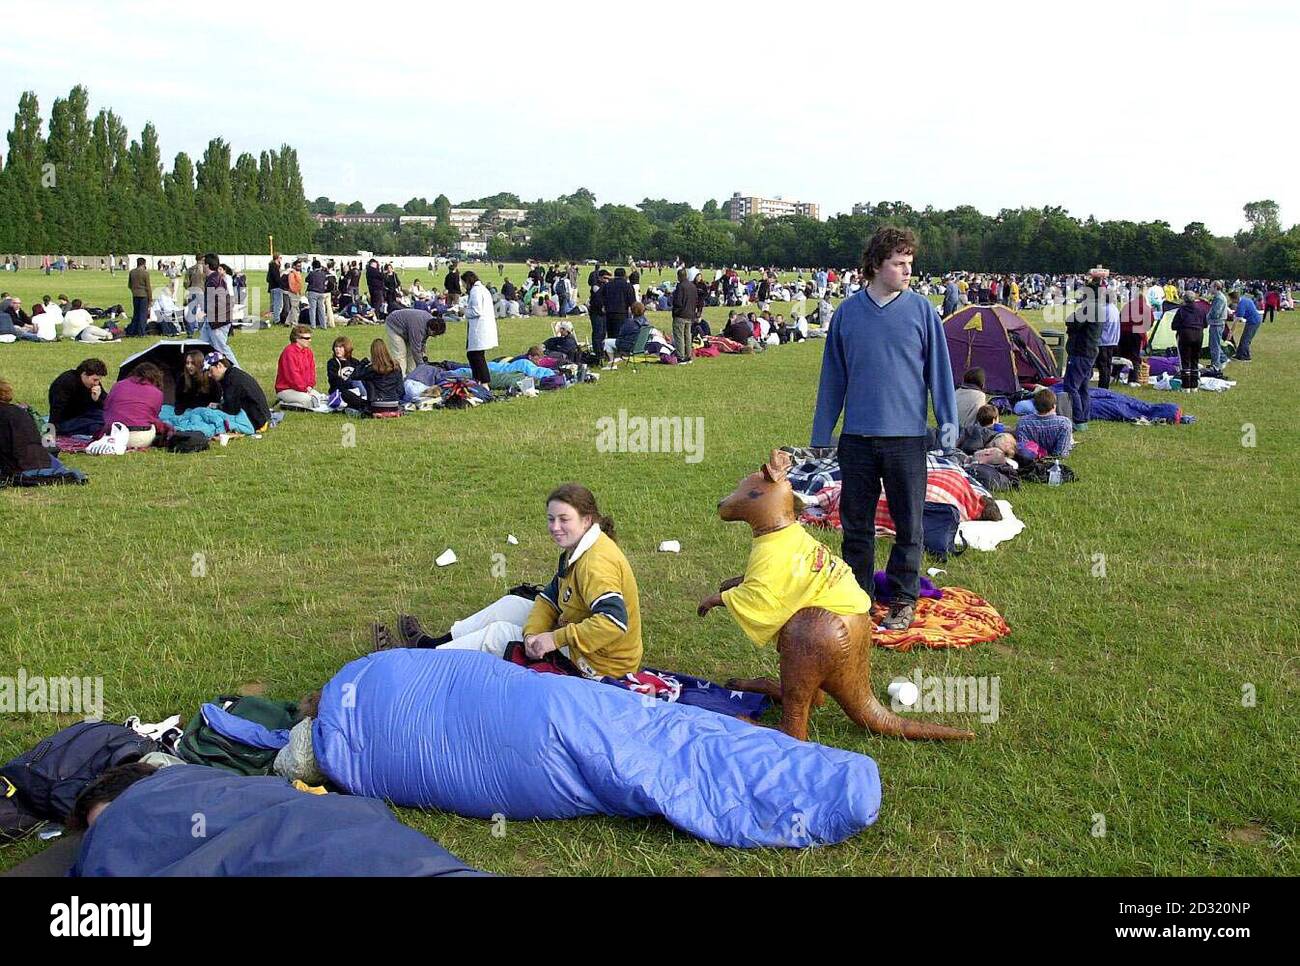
203,745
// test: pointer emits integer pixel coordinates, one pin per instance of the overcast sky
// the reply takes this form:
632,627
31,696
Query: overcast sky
1181,112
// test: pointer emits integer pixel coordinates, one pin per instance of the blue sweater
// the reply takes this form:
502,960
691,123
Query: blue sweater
878,366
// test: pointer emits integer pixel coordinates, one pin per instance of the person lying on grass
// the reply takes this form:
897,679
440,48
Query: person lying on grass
590,612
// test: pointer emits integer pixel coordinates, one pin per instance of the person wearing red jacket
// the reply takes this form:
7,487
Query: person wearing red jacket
295,376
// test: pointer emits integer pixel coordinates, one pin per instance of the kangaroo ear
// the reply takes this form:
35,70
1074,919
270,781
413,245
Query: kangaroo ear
776,468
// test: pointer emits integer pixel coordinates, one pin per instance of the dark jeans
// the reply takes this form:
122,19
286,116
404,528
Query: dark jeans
1104,364
899,463
1078,370
139,315
598,336
87,424
1189,357
478,365
1269,314
1247,337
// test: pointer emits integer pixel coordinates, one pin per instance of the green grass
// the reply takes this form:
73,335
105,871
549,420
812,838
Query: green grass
1119,695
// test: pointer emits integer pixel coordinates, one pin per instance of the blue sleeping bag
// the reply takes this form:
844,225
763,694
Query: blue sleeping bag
469,733
1119,408
251,826
209,422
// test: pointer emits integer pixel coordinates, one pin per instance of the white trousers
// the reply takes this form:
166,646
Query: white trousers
492,628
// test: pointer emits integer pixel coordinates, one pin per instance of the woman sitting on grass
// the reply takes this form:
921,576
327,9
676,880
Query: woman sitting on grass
590,611
21,454
136,402
340,371
563,344
382,377
196,389
295,376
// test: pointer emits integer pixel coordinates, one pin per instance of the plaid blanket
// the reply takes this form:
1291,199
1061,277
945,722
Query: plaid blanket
959,619
812,472
946,482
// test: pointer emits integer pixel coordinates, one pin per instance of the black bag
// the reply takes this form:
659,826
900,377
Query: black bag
51,776
16,819
940,522
187,441
1039,470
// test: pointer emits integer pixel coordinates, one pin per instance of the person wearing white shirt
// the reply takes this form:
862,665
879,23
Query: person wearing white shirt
77,324
481,326
1156,299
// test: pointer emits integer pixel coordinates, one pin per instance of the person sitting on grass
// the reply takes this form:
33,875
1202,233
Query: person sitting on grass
1053,435
590,611
295,375
976,435
738,328
136,403
563,344
196,389
21,452
382,377
970,396
15,322
340,372
77,399
239,391
77,324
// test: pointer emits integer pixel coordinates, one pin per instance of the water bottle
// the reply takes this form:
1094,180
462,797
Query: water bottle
1054,474
582,373
49,438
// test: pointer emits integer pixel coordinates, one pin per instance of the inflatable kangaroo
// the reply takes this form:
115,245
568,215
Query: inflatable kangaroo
820,649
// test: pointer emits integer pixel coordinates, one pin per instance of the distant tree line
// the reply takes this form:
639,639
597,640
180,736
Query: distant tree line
85,189
1048,239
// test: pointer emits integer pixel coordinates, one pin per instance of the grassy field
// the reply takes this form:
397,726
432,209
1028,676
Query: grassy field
1121,687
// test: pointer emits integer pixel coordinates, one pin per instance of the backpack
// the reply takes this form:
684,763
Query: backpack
187,441
940,522
51,776
16,819
204,745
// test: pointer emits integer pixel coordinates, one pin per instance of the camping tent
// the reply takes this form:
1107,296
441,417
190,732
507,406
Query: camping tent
169,356
1164,340
999,341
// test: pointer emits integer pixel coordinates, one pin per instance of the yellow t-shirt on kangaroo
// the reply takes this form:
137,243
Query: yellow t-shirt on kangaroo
787,571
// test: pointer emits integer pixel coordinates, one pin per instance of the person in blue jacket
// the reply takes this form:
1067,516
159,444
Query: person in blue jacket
885,353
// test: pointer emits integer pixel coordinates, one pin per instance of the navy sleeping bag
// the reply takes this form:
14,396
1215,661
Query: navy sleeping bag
468,733
196,820
1121,408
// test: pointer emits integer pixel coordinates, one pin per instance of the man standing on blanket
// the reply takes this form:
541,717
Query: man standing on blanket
884,354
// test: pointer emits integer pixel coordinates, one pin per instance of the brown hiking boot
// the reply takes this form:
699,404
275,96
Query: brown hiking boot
900,616
409,627
381,638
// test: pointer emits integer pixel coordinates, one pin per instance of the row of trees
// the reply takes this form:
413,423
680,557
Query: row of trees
1014,240
1020,240
82,189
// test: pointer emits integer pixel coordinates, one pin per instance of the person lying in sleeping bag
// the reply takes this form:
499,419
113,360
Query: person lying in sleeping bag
190,820
590,611
470,734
